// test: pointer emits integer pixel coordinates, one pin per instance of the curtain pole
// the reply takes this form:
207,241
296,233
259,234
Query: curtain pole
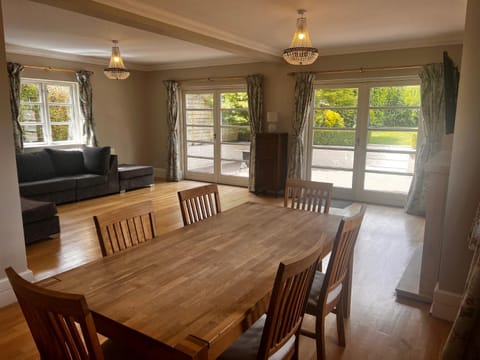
49,68
364,69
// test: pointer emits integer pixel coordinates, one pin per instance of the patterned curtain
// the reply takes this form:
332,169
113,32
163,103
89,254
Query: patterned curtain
172,117
433,110
303,101
464,339
85,87
255,111
14,70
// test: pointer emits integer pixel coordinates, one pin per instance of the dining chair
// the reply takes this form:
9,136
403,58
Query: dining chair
276,334
125,227
328,292
308,195
199,203
61,324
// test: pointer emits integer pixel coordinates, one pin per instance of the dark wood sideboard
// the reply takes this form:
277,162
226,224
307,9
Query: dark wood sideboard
271,162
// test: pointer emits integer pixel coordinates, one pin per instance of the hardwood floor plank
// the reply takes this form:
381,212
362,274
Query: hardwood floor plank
379,327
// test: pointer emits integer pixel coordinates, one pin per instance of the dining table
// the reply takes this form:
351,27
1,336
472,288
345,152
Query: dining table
190,293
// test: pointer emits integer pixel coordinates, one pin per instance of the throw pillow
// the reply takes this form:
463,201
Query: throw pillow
67,162
97,159
34,166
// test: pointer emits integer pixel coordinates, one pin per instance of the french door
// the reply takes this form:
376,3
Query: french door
362,138
216,135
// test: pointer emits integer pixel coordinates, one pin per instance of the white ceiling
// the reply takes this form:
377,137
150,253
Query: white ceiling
164,34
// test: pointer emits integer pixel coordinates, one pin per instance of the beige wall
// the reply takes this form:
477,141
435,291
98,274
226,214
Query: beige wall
464,182
12,246
118,106
279,86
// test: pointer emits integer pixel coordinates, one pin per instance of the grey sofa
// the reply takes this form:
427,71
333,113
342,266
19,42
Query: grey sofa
63,176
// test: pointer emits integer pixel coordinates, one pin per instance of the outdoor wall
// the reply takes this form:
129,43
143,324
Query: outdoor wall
118,106
463,188
278,84
12,246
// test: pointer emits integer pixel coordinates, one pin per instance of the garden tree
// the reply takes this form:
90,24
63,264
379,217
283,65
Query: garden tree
336,98
329,118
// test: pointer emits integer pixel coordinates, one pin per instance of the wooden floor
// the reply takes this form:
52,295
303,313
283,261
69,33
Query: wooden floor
380,327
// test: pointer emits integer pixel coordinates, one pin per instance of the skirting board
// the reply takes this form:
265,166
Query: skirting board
445,304
7,295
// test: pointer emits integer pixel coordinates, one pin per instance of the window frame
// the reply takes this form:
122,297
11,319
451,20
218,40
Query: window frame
45,121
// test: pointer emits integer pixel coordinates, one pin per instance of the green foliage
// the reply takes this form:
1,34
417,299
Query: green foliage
234,108
334,137
328,118
345,97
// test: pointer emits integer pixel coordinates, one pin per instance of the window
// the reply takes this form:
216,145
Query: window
49,112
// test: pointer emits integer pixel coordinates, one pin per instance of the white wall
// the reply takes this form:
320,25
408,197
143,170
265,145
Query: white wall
12,246
464,182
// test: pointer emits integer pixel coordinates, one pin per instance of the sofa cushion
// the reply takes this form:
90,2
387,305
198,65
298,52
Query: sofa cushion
67,162
46,186
97,159
34,166
87,180
33,210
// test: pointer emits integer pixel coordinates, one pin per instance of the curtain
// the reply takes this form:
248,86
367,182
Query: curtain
85,87
14,70
433,110
464,339
172,117
303,101
255,112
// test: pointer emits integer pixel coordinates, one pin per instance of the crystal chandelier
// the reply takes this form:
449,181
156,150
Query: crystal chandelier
301,51
116,69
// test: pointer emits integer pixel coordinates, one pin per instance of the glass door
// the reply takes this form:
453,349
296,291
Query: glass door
217,136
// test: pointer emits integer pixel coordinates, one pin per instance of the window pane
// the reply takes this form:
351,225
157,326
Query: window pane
334,137
199,117
200,165
395,96
30,113
61,133
339,178
387,183
394,118
332,158
60,113
335,118
402,140
390,162
235,168
199,101
59,94
234,100
200,149
336,97
195,133
33,133
236,134
235,117
236,152
29,92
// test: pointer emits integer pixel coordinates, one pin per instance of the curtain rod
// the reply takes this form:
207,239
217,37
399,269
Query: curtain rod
49,68
364,69
215,78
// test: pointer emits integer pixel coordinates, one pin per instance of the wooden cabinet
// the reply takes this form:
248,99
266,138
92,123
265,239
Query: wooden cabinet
271,162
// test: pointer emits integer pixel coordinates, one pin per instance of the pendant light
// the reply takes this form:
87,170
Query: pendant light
301,51
116,69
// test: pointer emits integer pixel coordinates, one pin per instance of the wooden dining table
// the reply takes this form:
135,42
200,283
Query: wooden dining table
190,293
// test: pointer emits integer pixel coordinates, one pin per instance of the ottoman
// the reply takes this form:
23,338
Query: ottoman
40,220
134,176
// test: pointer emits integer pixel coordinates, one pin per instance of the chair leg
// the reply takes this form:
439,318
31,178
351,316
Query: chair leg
341,321
320,338
347,293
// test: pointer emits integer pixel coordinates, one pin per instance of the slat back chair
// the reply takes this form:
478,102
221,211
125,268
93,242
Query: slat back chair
125,227
328,290
199,203
53,317
308,195
278,333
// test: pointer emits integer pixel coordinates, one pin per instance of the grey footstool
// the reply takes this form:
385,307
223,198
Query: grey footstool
40,220
134,176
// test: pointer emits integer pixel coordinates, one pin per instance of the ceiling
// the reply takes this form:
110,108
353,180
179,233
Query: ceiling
184,33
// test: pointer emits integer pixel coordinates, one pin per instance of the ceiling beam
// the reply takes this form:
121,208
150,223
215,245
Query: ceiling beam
119,16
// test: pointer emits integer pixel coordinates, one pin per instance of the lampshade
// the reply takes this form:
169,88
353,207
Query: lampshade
301,51
116,69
